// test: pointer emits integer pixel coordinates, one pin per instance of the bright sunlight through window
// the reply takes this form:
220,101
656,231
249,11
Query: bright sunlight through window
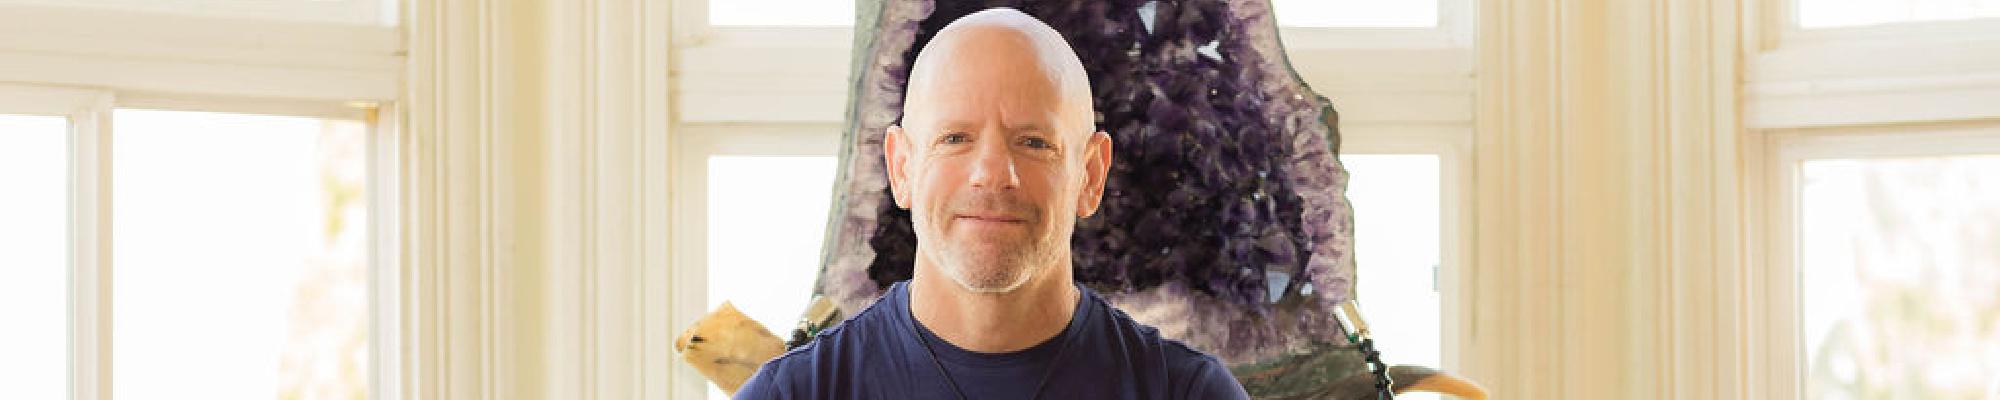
241,257
1845,13
766,216
1357,13
1396,239
781,12
34,264
1900,261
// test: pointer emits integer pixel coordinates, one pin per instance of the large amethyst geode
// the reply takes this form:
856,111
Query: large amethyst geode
1224,220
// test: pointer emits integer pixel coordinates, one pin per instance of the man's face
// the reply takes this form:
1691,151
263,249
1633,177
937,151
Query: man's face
991,165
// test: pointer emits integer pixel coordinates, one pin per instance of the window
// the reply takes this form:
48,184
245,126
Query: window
194,254
1883,262
1851,63
766,221
1898,264
1397,240
241,244
192,199
1814,14
787,60
1356,13
356,12
1865,116
757,198
781,13
33,243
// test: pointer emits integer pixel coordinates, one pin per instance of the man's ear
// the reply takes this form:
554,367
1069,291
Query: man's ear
1096,165
894,155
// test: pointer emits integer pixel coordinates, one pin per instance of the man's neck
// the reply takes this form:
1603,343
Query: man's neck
994,322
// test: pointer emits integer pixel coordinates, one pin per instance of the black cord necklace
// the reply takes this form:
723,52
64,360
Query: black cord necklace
1061,350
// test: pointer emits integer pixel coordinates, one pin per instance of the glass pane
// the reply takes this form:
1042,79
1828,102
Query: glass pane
1841,13
766,216
1357,13
765,219
781,13
34,264
1900,259
1396,239
242,257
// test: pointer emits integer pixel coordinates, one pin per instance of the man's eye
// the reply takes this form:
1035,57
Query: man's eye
1037,143
954,138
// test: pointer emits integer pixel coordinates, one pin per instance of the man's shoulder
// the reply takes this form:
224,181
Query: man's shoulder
1144,337
1187,370
868,326
819,365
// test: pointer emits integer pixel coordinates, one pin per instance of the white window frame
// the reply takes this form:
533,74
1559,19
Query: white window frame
1901,89
89,294
782,91
198,56
1910,72
1775,302
693,144
799,74
82,63
358,12
1453,147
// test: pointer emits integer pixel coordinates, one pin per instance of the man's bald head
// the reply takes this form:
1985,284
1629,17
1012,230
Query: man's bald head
1002,36
996,157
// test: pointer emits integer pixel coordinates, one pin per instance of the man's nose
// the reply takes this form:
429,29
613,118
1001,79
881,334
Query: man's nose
993,166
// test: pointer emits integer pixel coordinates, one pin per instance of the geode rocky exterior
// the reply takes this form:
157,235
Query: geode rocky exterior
1224,222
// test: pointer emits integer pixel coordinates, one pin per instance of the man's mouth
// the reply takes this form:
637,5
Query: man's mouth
990,218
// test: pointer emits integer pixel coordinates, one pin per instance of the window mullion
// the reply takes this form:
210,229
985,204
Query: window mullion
385,255
90,249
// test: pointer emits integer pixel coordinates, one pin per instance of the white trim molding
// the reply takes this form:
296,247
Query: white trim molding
469,263
351,12
1604,256
198,55
789,75
90,249
607,151
1914,72
88,113
536,212
1875,82
385,285
773,80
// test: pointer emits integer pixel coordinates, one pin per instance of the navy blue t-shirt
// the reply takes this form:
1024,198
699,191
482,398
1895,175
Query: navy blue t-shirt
1103,354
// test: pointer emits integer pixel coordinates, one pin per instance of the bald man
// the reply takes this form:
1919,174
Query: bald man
996,159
